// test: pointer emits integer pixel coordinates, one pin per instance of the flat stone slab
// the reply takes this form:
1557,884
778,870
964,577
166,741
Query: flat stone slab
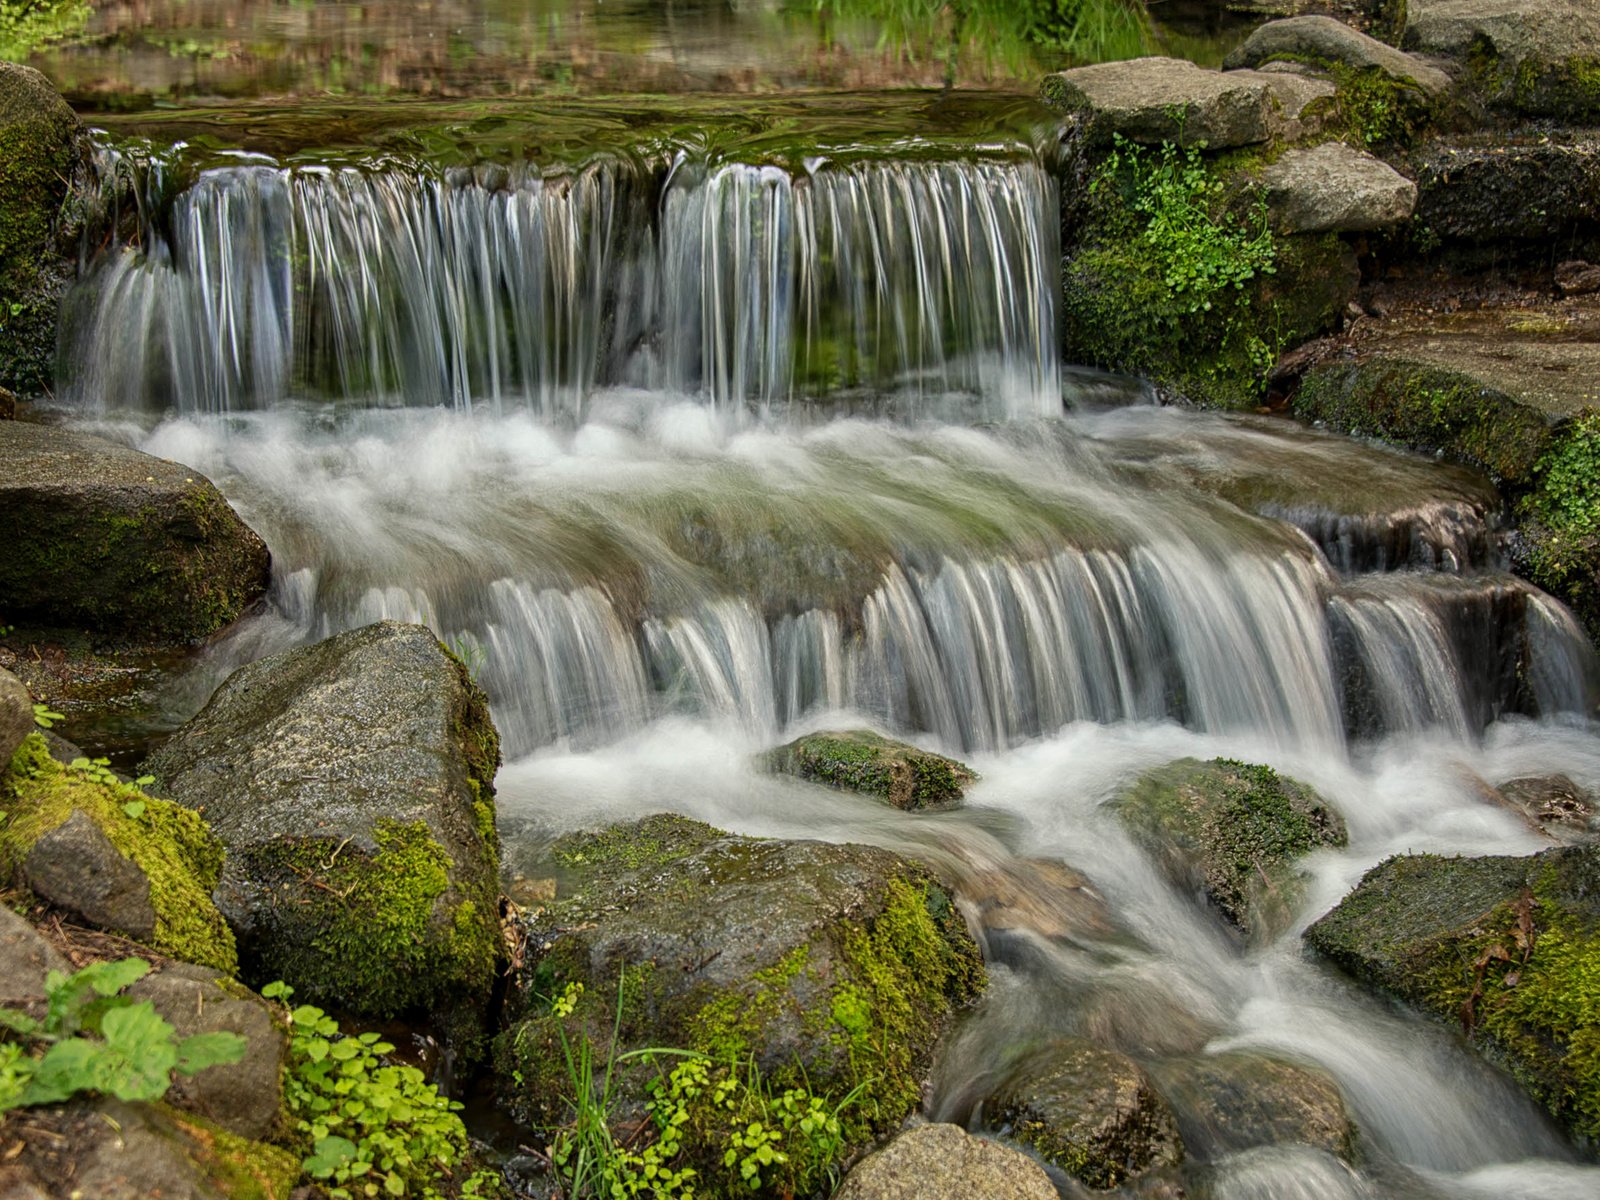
1324,39
1334,188
1153,100
1549,31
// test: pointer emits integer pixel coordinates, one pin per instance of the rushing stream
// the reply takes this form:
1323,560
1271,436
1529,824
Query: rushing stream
689,455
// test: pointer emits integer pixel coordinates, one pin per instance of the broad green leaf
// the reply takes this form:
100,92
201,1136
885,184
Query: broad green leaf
209,1050
67,1067
141,1053
328,1155
134,809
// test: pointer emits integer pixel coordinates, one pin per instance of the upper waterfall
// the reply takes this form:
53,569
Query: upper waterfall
516,288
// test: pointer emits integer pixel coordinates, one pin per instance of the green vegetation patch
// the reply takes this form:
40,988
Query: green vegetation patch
169,843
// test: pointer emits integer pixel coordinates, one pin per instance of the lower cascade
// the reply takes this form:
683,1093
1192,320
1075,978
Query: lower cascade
842,683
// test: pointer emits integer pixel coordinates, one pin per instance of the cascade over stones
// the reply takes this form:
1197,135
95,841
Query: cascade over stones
1506,949
352,783
99,536
1232,831
832,968
861,761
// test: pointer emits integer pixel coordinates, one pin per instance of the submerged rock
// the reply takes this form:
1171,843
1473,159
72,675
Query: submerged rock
1336,188
859,760
113,857
945,1162
98,536
1506,949
828,968
1232,831
1323,40
1089,1111
352,783
1226,1103
40,154
1154,100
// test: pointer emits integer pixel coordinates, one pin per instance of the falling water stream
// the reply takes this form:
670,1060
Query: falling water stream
689,455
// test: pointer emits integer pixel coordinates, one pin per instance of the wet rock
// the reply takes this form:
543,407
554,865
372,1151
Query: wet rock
1323,40
76,868
1499,192
1038,895
945,1162
113,856
352,783
245,1097
1231,831
825,967
99,536
1154,100
1540,57
1501,948
1554,805
40,154
1139,1017
1577,278
1226,1103
25,959
113,1150
859,760
16,714
1090,1112
1336,188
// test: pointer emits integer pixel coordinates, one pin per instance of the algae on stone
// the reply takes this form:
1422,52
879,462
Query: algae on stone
859,760
1231,830
171,845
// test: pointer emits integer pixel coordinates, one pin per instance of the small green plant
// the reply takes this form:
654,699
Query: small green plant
45,717
472,653
372,1128
94,1039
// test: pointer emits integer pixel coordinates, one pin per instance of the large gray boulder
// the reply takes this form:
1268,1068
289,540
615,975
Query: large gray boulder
1335,188
1092,1112
352,783
1540,57
1154,100
98,536
41,153
945,1162
1321,39
1498,948
829,968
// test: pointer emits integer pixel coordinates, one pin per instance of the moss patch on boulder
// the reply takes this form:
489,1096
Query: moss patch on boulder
859,760
169,844
1507,949
1231,830
823,970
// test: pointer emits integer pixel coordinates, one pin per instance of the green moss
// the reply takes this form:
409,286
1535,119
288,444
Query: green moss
241,1169
728,1028
384,933
169,843
1378,110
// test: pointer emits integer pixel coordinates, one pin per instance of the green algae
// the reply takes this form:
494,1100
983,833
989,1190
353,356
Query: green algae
170,844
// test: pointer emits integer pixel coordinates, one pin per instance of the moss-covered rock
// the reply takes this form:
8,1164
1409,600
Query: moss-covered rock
40,155
1231,831
859,760
1506,949
1089,1111
98,536
353,784
827,969
1238,1100
167,844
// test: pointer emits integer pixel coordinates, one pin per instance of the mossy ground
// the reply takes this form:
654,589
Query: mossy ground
169,843
1235,829
859,1007
1506,949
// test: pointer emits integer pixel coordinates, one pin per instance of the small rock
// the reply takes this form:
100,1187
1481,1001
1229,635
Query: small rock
243,1097
1153,100
945,1162
1090,1112
1227,1103
1335,188
859,760
25,959
76,868
1326,40
16,715
1554,805
1577,278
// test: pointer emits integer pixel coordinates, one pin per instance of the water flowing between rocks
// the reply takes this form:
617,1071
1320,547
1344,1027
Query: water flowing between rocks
690,455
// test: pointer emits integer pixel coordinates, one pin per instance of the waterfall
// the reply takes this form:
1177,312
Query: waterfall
523,290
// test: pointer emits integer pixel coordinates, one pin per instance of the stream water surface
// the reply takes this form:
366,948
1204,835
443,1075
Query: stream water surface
689,451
